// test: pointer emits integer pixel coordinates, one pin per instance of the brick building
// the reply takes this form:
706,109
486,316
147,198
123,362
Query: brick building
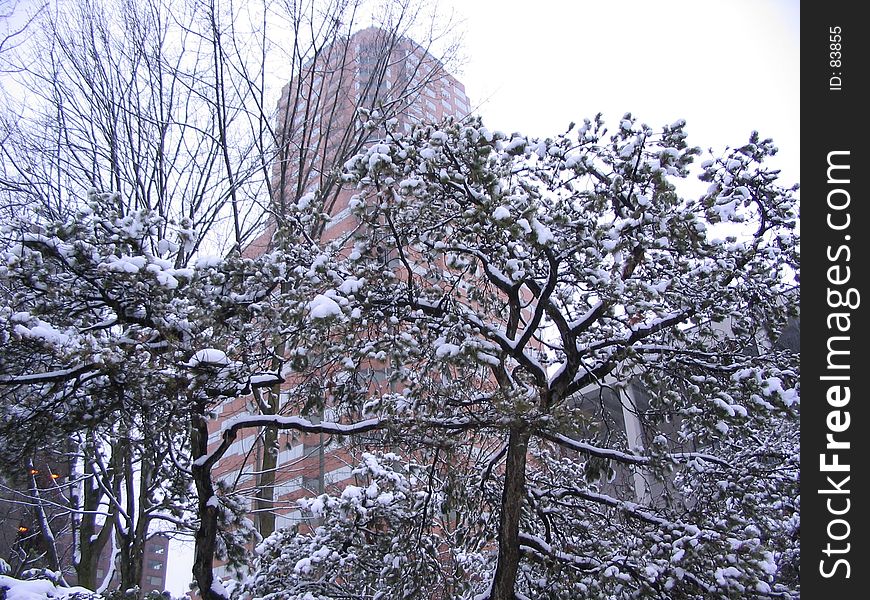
372,70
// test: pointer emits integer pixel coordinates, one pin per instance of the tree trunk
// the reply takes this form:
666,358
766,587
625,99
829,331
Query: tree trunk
504,580
265,499
130,549
205,541
90,540
86,562
130,556
266,486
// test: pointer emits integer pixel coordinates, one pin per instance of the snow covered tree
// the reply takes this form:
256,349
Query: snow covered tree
557,361
108,342
380,539
102,337
171,106
108,418
589,346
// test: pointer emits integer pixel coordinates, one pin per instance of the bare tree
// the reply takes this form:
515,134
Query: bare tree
14,23
172,107
343,87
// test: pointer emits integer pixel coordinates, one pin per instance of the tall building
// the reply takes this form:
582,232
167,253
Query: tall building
321,123
371,76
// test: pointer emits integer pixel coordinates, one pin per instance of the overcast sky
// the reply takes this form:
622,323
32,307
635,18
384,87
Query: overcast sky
727,67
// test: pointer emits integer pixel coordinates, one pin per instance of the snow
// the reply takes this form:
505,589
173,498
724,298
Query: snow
372,491
40,330
209,357
488,359
515,144
323,307
305,201
446,350
218,588
501,213
166,280
126,264
352,492
264,379
208,262
183,273
351,285
38,589
164,246
542,232
379,156
524,223
722,575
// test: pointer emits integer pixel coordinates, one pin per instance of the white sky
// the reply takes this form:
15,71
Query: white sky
726,66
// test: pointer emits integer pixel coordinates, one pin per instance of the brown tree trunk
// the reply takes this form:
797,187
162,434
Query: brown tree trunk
265,499
206,535
266,486
504,580
90,540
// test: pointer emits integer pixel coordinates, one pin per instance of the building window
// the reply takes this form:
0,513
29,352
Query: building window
311,483
310,447
338,475
155,565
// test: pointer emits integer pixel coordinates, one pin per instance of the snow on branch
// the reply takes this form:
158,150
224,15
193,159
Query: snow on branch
538,546
231,427
622,457
48,377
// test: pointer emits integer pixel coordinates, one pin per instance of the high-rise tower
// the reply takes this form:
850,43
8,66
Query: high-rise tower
349,95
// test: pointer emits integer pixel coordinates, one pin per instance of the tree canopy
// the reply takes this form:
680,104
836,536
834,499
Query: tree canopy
559,368
541,294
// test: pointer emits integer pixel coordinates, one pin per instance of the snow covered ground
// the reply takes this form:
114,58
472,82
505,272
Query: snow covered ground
38,589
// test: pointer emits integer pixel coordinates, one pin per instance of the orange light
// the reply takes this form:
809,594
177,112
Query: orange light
55,476
23,529
34,471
